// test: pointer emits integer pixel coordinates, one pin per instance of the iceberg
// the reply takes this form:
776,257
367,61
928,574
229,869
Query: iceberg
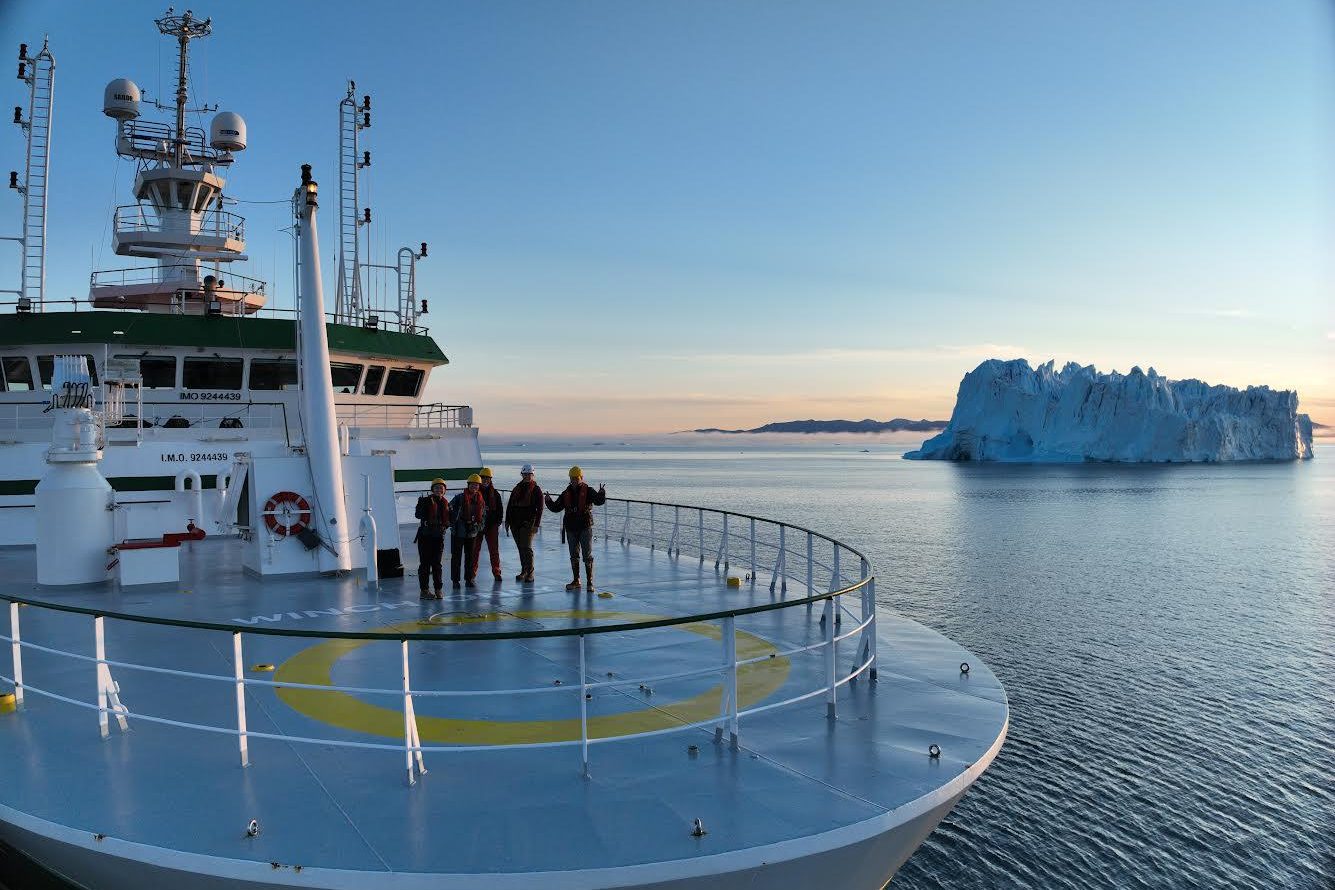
1008,411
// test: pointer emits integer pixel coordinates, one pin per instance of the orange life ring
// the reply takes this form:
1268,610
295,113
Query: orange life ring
286,513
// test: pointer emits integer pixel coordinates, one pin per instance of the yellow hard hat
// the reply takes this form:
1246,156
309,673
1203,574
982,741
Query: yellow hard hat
576,472
438,481
486,473
475,478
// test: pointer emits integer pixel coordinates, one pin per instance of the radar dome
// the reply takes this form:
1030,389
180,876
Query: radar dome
121,99
228,132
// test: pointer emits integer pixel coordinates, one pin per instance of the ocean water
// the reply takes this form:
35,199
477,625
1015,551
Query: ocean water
1166,635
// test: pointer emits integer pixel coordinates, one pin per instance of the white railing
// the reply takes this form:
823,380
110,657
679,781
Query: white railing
434,415
209,223
818,567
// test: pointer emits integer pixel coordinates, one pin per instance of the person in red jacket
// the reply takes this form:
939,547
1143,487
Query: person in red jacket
434,513
577,502
491,533
469,513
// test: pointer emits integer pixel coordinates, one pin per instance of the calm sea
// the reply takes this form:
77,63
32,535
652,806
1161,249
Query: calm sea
1166,635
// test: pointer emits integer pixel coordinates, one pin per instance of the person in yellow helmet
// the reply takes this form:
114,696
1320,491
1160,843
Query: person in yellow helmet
491,533
433,514
577,502
469,512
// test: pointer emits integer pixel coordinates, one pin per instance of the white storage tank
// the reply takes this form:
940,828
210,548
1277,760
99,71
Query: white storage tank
228,132
120,100
75,525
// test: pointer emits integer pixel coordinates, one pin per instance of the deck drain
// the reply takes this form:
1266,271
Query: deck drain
934,751
698,830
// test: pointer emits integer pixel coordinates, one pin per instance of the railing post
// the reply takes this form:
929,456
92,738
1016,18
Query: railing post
607,531
652,527
811,586
16,647
625,528
238,671
700,528
412,742
722,556
837,582
108,693
753,550
583,708
780,563
728,709
673,543
871,597
100,653
827,622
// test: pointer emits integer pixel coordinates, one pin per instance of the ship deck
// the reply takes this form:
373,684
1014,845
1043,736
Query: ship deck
181,799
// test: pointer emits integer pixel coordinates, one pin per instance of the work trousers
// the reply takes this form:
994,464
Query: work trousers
580,540
523,535
492,535
430,549
465,548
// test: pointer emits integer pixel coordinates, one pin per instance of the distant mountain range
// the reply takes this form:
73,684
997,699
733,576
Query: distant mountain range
899,424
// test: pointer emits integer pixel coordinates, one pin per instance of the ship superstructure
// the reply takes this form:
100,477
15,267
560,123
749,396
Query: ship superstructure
203,361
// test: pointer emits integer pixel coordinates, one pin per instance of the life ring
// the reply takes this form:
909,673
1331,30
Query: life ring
286,513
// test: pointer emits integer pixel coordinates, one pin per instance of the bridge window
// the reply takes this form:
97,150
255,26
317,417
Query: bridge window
374,375
271,374
46,365
156,371
212,373
15,374
403,382
345,376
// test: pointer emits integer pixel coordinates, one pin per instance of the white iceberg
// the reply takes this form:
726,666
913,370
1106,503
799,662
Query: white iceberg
1008,411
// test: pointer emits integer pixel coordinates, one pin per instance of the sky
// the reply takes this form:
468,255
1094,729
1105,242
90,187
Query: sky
653,216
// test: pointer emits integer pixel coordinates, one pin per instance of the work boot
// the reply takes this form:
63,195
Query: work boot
520,577
574,569
588,575
439,595
528,576
425,595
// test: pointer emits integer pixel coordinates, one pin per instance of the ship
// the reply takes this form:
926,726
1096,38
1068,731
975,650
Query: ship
220,675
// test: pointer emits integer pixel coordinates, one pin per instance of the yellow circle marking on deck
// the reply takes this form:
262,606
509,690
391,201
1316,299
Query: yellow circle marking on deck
314,666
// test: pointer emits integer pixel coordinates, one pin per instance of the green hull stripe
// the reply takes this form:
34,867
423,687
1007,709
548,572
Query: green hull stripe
160,329
450,473
119,483
168,483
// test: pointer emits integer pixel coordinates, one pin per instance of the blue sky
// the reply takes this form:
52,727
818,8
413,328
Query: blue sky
650,216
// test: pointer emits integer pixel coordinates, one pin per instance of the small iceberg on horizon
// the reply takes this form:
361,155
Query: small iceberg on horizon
1008,411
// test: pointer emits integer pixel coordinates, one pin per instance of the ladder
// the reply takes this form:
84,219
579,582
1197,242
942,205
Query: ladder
40,75
351,119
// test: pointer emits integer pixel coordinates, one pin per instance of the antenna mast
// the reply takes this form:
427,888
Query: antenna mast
39,73
183,28
352,119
